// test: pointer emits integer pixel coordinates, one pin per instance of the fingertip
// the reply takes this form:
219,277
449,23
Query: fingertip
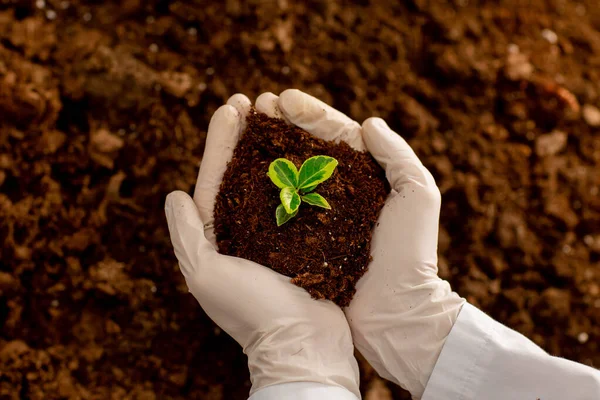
380,139
171,199
374,123
180,205
241,103
223,134
291,103
238,99
395,155
183,216
289,92
320,119
268,103
376,130
226,114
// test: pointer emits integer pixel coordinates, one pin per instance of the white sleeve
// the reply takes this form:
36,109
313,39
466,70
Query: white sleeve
303,391
483,359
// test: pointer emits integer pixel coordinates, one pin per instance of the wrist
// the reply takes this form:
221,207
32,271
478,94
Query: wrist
303,391
404,341
289,354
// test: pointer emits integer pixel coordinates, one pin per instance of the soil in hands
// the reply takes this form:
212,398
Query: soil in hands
323,251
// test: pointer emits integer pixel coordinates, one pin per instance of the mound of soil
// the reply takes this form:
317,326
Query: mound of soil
103,111
323,251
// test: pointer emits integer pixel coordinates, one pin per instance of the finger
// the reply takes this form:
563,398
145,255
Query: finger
393,153
243,105
267,103
319,119
186,230
223,133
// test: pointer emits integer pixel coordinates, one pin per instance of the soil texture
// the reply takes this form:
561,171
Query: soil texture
323,251
103,111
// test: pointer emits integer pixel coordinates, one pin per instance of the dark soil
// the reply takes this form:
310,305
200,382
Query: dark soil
103,111
323,251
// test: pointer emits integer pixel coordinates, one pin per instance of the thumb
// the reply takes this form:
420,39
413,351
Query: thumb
186,230
394,154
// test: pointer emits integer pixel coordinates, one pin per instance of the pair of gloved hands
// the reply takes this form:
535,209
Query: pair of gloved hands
402,311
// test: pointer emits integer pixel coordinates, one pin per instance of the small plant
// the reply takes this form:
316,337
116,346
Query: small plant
296,186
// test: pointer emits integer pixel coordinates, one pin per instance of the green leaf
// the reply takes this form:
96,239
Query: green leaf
315,199
290,199
309,189
282,216
315,170
283,173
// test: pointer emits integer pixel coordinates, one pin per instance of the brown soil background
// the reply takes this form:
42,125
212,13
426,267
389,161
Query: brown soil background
103,111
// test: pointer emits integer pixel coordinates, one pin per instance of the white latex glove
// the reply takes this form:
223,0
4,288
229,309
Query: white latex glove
287,336
402,311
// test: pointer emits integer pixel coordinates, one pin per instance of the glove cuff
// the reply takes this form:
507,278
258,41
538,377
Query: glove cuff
303,391
403,346
303,361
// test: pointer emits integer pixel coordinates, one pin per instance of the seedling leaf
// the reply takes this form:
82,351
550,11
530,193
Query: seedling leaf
315,199
283,173
315,170
282,216
309,189
295,186
290,199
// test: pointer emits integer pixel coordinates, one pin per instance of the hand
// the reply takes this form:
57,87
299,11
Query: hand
287,336
402,311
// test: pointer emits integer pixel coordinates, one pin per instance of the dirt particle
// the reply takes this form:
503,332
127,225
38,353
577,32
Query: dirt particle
51,141
112,327
13,349
551,143
593,242
512,48
591,115
550,36
518,66
6,282
104,147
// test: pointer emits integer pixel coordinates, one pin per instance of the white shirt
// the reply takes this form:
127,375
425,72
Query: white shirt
481,359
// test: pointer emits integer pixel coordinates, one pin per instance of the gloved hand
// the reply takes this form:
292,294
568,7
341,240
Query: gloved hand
287,336
402,311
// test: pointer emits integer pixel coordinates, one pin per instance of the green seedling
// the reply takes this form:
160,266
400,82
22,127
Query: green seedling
296,186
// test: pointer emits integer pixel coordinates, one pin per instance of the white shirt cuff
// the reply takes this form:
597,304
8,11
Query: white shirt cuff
483,359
